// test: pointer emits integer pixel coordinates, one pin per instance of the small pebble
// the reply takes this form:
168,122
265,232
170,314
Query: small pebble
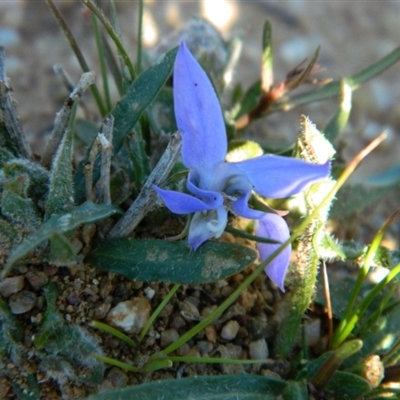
11,285
258,350
22,302
189,311
149,292
117,377
204,347
247,299
168,336
211,333
36,279
100,310
130,315
183,350
177,322
230,330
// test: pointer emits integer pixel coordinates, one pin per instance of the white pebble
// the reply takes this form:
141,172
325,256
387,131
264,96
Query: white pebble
230,330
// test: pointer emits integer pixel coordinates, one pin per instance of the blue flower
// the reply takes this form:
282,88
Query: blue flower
217,186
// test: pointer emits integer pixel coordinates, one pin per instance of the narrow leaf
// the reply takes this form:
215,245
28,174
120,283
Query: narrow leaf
153,260
234,387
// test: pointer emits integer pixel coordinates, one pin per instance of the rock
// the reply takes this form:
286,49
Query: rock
211,333
130,315
258,350
36,279
100,310
168,336
117,377
258,327
247,299
11,285
189,311
149,292
230,330
205,347
22,302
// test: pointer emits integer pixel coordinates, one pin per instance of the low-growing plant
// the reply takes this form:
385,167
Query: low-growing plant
168,171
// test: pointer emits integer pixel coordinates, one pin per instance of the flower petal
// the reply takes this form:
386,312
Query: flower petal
206,225
241,208
274,227
181,203
198,113
277,177
210,197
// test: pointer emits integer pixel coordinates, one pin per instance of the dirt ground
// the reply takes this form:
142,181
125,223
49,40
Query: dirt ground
353,35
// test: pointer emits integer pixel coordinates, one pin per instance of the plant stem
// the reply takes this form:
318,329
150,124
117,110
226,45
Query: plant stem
101,54
113,35
78,54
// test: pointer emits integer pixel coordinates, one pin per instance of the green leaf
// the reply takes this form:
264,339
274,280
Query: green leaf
234,387
295,391
61,192
130,108
85,214
347,386
159,260
52,318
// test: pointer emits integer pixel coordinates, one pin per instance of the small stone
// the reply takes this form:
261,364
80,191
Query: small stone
183,350
211,333
149,292
73,299
36,279
189,311
50,270
117,377
22,302
106,287
247,300
168,336
88,232
11,285
258,350
100,310
258,327
204,347
230,330
130,315
177,322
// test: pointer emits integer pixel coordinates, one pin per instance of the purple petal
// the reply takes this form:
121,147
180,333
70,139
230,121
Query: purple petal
241,208
210,197
198,113
277,177
272,226
206,225
181,203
